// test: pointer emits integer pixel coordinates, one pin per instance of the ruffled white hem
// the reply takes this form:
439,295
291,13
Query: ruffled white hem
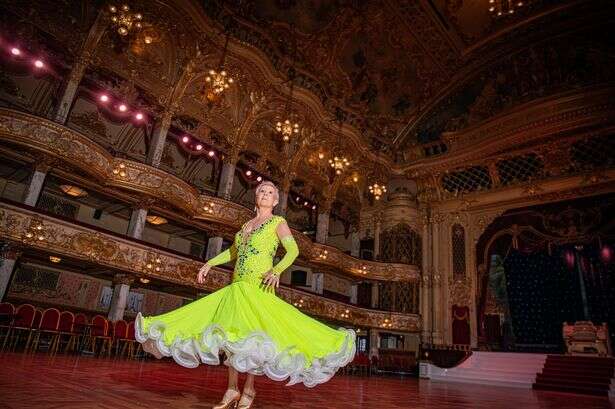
255,354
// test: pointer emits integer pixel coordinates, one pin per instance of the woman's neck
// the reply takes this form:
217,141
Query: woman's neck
263,213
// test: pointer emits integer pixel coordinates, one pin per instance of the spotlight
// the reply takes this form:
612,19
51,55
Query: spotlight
211,153
199,147
39,64
185,139
138,116
103,98
122,108
248,172
15,51
314,207
305,203
258,179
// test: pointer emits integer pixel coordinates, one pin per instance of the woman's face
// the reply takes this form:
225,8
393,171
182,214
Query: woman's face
266,197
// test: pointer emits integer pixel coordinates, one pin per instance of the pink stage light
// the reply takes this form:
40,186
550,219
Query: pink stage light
103,98
249,172
185,139
15,51
569,257
258,179
122,107
314,207
606,254
39,64
138,116
211,153
199,147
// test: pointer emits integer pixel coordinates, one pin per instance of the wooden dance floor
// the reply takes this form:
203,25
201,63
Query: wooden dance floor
41,381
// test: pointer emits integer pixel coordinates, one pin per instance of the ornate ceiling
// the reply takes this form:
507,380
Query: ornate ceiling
377,65
389,83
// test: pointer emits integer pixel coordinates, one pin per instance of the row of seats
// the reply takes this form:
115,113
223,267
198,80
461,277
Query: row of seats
26,326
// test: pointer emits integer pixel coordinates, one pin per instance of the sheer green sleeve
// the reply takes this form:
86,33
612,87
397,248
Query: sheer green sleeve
292,251
224,257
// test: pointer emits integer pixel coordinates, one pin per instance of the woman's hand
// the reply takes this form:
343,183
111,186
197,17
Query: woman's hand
203,273
271,281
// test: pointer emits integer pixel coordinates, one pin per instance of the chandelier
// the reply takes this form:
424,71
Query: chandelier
217,80
124,20
500,8
339,164
287,129
377,190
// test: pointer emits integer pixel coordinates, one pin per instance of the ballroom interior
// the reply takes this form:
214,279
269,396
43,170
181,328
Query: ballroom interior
446,167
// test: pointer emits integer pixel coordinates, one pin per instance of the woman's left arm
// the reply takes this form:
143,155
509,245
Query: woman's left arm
290,245
272,279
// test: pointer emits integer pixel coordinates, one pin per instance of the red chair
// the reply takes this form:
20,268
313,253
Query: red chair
7,314
100,330
120,332
23,324
49,325
130,342
67,319
76,335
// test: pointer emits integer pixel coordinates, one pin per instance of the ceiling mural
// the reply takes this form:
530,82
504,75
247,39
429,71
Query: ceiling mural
535,72
377,80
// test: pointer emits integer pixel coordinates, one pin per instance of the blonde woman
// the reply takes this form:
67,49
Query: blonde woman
258,332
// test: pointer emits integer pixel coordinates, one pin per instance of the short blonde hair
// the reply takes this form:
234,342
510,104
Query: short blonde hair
276,193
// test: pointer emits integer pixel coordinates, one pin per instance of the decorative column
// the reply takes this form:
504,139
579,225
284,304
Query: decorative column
425,295
322,222
318,283
137,222
436,281
8,259
375,295
156,148
121,288
355,243
227,175
78,69
214,247
284,192
35,187
374,343
354,292
377,228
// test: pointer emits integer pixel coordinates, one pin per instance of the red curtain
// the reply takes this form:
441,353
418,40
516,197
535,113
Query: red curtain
461,325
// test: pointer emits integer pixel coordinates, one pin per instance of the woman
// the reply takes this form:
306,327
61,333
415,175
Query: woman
258,332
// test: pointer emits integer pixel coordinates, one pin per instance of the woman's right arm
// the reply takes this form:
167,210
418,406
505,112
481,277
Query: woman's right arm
222,258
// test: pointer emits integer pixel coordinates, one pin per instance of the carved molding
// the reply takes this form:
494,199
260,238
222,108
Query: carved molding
522,129
82,153
137,260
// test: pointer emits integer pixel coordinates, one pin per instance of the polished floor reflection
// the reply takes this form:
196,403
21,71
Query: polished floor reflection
39,381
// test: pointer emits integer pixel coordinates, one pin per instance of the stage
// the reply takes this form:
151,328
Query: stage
65,381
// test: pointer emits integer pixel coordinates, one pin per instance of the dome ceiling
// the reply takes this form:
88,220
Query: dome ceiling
375,64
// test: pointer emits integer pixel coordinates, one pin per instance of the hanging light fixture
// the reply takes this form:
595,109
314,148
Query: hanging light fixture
287,127
339,163
217,80
501,8
377,190
124,20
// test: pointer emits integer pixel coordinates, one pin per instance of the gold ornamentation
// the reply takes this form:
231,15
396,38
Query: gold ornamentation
84,154
83,243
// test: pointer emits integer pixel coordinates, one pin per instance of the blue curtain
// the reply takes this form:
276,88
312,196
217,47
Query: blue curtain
543,292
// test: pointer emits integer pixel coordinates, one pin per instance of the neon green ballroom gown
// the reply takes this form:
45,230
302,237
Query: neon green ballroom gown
259,332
